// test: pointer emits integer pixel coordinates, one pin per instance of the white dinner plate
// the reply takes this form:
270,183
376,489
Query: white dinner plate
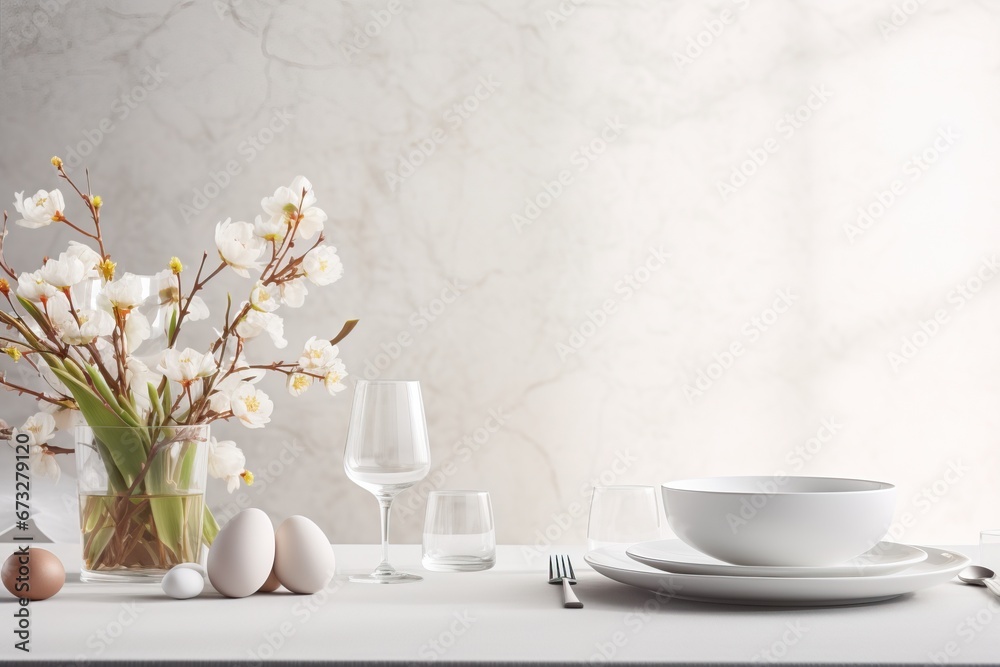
939,567
676,556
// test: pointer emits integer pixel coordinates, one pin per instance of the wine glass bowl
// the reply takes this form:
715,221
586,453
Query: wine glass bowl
387,452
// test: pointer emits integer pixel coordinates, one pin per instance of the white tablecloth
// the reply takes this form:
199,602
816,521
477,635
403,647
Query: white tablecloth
504,615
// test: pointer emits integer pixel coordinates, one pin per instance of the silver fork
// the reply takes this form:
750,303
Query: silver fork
561,572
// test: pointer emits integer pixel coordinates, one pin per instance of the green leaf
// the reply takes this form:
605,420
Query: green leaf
154,400
119,442
210,527
172,327
102,388
168,514
167,401
36,315
75,370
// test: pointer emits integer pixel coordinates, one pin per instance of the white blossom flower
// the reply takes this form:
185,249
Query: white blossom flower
187,365
125,293
298,383
43,463
32,286
265,298
256,322
285,202
63,272
137,376
226,461
293,292
169,296
317,354
238,246
322,265
66,419
219,399
270,229
251,406
39,427
88,256
137,331
334,379
42,209
82,327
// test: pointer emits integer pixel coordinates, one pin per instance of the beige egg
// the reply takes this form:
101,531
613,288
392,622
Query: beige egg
242,555
36,574
303,557
272,584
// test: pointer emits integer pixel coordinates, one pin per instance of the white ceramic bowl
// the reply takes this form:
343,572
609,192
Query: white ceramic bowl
781,521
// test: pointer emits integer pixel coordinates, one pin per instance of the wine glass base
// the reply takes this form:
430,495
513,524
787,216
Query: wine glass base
388,578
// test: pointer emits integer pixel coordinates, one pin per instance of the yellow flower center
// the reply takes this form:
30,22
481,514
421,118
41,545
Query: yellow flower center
253,404
41,201
300,382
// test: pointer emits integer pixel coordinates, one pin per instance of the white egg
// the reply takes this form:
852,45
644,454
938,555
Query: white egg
303,558
197,567
242,554
183,582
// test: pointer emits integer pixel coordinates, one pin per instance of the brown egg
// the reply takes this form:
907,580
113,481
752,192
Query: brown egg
271,584
33,575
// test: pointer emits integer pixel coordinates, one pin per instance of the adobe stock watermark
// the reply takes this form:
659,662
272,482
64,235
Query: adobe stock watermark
797,459
418,322
562,12
437,647
967,631
453,117
624,289
712,29
28,31
927,498
779,648
786,126
581,159
635,621
362,36
103,638
121,108
965,291
751,332
247,151
302,612
562,522
462,451
900,15
912,169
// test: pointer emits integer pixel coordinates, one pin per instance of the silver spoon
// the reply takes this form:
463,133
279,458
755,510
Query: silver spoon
977,575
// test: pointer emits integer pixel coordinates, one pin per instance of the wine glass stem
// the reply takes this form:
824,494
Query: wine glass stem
385,504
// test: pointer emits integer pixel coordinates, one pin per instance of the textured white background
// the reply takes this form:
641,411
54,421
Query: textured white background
231,69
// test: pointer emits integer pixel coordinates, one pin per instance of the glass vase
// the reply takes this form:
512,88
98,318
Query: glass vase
142,499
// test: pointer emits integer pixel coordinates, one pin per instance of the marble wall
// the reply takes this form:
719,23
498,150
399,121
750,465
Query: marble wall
616,241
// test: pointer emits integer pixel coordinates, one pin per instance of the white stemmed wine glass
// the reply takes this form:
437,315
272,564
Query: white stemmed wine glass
387,452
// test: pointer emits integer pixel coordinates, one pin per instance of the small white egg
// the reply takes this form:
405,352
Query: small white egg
197,567
183,582
303,558
242,555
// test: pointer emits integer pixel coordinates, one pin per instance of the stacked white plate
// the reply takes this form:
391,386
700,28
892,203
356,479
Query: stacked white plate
672,568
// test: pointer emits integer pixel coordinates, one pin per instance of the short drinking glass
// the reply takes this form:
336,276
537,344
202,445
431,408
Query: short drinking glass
989,549
458,532
623,515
